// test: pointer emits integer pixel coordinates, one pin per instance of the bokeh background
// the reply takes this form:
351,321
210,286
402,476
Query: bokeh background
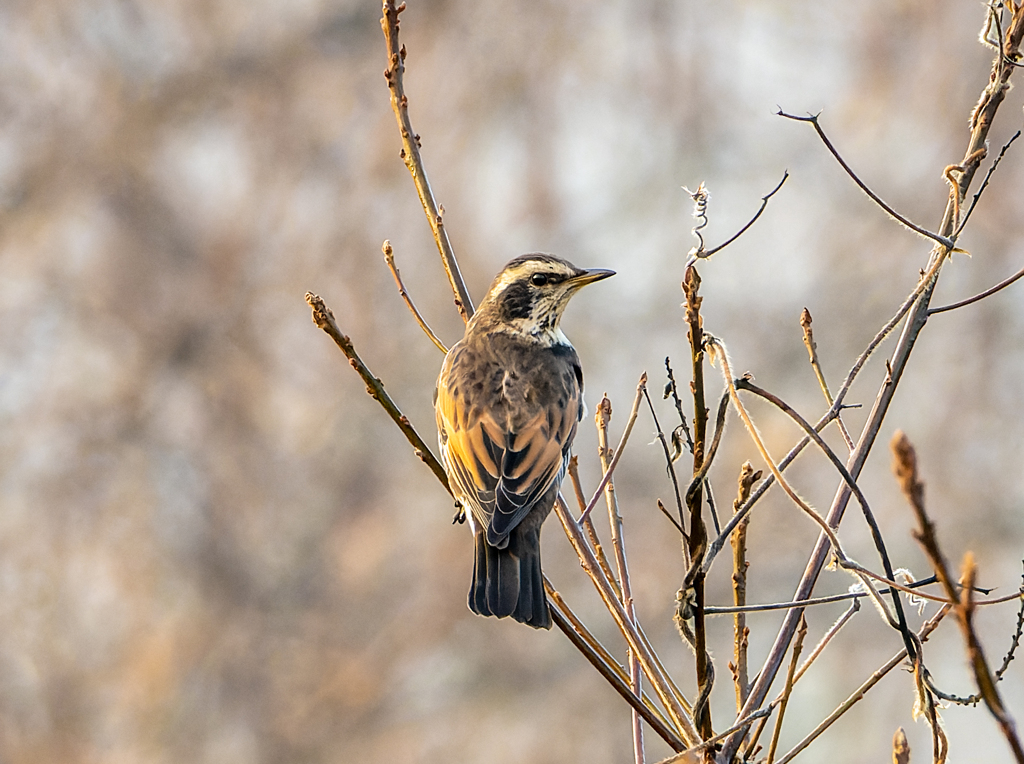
214,547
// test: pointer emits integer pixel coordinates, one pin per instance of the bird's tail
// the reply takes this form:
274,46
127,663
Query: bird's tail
509,581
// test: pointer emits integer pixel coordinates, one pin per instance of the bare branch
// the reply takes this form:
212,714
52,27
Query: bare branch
905,467
641,389
389,258
858,694
601,660
411,156
798,645
602,418
987,293
699,252
659,680
323,317
812,119
812,352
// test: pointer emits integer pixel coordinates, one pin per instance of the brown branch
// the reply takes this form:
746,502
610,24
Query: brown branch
812,351
905,467
641,389
981,122
741,633
987,293
944,241
699,252
858,694
389,258
798,645
691,595
661,683
603,418
411,156
607,667
323,317
588,524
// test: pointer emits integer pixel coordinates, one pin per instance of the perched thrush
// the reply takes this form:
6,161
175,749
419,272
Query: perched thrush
508,400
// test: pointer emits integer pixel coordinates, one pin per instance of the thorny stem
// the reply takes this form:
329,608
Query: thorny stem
411,155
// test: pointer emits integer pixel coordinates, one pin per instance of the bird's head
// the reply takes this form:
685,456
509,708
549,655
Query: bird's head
530,294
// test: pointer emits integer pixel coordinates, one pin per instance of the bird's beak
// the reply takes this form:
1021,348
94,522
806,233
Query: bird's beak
589,277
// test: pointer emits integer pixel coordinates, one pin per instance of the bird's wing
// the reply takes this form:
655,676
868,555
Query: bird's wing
502,465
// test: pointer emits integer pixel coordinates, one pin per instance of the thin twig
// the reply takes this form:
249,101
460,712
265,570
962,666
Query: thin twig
588,525
411,155
813,120
608,668
641,389
812,351
670,467
858,694
984,183
980,125
689,755
798,645
323,317
876,533
987,293
602,418
389,258
659,681
823,642
700,253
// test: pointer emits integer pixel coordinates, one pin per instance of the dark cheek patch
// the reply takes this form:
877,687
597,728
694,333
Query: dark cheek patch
516,302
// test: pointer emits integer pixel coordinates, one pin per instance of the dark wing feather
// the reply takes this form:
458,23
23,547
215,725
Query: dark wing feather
506,443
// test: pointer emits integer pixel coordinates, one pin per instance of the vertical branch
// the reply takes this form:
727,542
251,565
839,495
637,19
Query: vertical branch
798,645
739,586
692,592
603,417
411,156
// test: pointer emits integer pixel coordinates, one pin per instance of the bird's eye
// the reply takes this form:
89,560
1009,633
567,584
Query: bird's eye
539,279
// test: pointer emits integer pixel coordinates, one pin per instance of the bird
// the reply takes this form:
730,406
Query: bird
508,399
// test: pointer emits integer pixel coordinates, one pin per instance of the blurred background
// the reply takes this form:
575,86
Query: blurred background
215,547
